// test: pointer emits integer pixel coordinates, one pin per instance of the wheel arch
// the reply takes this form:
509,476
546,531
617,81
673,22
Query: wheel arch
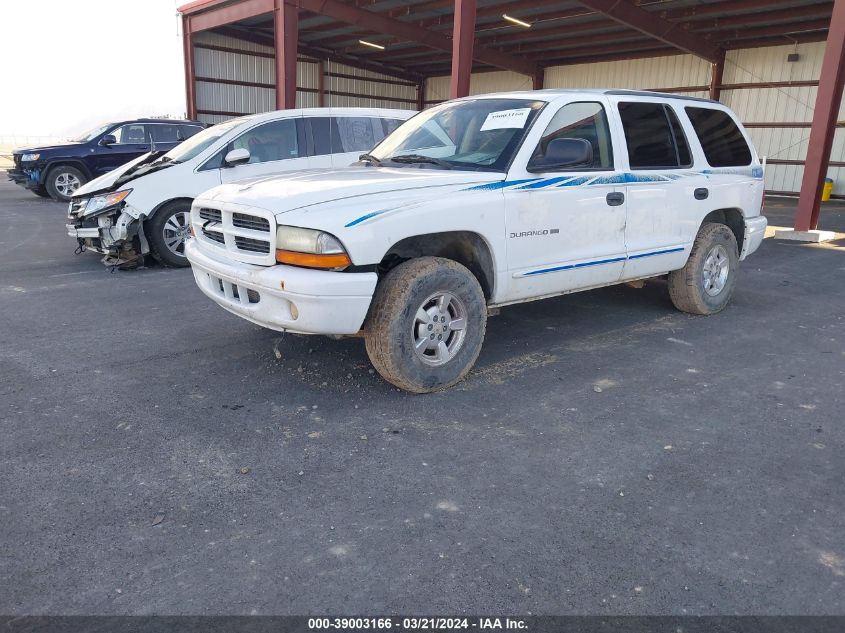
732,218
66,162
467,248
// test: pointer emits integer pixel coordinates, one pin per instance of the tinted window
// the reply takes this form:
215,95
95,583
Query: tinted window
721,139
391,124
187,131
684,156
276,140
165,133
650,136
356,134
321,133
131,133
585,121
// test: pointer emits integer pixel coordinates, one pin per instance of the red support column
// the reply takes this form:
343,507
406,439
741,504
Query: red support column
824,122
190,77
421,95
321,83
538,79
286,23
717,74
463,40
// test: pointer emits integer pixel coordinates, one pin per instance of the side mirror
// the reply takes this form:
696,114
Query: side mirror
564,153
237,157
108,139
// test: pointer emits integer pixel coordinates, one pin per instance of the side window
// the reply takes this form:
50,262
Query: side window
130,133
165,133
721,138
276,140
654,136
582,121
390,125
321,134
187,131
355,134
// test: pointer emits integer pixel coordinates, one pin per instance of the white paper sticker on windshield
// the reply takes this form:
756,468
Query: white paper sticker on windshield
506,119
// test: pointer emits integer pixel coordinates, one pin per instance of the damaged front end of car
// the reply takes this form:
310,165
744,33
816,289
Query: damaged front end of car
106,224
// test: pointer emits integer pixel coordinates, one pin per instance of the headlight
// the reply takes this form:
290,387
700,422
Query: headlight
105,201
311,248
30,157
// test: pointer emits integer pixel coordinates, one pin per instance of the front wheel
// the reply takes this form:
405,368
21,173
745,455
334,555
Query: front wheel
63,181
168,230
705,285
426,324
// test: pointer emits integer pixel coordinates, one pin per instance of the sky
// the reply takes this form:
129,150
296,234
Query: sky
69,65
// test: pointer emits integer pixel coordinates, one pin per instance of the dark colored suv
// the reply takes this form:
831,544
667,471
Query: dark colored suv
59,170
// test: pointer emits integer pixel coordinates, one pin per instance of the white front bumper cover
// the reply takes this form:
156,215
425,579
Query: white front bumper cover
285,298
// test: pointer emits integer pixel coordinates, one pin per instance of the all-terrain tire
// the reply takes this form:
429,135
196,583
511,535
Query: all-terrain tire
705,285
41,192
167,232
62,181
426,324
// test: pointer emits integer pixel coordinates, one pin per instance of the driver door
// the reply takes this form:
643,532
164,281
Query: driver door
274,147
566,224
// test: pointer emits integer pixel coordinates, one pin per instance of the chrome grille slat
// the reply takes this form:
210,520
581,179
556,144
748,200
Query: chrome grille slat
251,245
213,215
214,235
247,235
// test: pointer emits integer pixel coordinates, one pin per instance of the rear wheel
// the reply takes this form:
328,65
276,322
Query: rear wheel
705,285
41,191
167,232
63,181
426,324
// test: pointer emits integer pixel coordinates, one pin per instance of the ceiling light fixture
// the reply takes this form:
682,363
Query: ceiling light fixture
371,45
516,21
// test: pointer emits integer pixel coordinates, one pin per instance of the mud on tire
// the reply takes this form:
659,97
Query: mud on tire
426,324
705,285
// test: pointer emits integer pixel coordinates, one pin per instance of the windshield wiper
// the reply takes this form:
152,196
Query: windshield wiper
419,158
370,159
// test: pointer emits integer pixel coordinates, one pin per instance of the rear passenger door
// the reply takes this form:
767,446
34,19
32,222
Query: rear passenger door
660,188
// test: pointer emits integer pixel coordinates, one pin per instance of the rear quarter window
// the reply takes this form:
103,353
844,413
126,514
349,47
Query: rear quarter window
720,137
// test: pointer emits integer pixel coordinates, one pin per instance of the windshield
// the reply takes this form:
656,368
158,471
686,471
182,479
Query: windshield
479,135
201,141
90,135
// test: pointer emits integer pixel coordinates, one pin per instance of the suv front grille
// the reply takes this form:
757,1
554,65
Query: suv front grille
249,237
213,215
243,221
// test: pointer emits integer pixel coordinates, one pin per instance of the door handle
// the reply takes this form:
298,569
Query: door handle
702,194
616,199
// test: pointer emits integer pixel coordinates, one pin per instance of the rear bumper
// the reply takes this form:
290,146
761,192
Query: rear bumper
755,232
285,298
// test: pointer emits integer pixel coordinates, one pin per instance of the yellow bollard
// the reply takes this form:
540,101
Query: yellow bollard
828,189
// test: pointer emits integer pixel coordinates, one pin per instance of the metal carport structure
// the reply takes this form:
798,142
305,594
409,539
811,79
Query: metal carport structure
403,45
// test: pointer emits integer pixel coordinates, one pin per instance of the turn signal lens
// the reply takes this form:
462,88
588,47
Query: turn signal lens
311,260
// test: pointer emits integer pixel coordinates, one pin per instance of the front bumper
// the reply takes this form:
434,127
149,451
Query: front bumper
29,178
755,232
285,298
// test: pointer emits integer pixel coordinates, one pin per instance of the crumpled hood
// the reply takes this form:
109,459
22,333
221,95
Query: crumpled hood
288,192
106,181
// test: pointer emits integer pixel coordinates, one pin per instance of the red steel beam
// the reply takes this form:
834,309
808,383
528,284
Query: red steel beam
230,13
190,77
286,33
824,122
654,26
463,38
717,72
407,31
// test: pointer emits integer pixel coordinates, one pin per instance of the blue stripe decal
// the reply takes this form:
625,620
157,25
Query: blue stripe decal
667,251
546,183
574,182
614,260
500,185
364,218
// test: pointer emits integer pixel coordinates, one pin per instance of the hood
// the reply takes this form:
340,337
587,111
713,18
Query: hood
106,181
288,192
60,146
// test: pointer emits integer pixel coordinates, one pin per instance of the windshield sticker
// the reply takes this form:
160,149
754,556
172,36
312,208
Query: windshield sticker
505,119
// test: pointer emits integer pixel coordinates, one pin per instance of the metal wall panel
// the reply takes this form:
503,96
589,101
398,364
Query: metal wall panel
674,71
371,94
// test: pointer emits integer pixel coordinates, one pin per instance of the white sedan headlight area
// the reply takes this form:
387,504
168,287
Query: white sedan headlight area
105,201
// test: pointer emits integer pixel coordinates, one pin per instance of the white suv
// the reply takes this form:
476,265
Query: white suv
483,202
144,206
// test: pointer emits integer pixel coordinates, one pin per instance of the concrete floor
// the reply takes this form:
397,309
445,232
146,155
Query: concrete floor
157,457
